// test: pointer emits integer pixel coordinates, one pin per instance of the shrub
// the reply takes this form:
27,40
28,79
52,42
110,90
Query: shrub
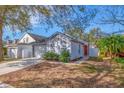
97,59
4,51
64,56
118,60
51,56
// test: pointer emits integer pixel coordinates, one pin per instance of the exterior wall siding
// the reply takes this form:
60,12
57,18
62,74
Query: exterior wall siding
39,50
93,52
27,39
76,50
58,43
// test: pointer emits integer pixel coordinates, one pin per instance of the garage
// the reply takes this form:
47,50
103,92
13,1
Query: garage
39,51
26,51
12,52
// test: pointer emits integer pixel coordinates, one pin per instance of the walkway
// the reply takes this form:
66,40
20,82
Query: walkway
14,66
17,65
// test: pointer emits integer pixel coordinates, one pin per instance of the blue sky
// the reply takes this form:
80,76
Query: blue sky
41,31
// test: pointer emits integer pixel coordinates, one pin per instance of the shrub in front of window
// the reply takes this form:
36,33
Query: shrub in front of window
64,56
51,56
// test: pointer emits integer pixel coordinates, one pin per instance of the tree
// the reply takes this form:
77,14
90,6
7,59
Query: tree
69,17
111,44
18,17
75,32
94,35
113,15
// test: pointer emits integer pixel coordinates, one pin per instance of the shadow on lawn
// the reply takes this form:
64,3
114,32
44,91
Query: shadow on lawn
78,82
81,82
48,66
94,81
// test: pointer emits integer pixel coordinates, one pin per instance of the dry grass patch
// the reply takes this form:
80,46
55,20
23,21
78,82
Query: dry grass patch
53,74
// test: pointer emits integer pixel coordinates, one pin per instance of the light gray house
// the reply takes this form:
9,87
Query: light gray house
31,45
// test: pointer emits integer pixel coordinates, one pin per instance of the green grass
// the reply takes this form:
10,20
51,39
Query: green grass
87,68
6,59
119,60
10,59
97,59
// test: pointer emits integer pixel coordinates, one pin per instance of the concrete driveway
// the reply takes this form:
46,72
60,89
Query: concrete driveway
17,65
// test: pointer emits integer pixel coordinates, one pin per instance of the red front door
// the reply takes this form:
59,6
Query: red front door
85,47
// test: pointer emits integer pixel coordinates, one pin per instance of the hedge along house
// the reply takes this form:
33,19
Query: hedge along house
31,45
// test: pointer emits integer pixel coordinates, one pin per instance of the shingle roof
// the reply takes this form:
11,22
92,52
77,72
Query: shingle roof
38,38
72,38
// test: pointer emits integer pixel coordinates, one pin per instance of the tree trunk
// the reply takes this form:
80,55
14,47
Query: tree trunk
1,44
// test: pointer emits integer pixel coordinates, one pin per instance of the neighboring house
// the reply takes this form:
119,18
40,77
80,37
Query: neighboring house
31,45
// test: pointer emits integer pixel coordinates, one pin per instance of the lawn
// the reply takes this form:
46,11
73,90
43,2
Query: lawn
67,75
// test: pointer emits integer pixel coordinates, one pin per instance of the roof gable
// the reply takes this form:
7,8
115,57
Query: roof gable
37,38
32,38
23,38
67,35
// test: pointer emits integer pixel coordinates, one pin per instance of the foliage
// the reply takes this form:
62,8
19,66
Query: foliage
64,56
97,59
73,16
111,44
88,69
19,17
94,35
75,32
4,51
114,16
16,18
51,56
118,60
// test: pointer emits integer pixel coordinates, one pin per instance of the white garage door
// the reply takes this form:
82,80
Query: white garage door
39,51
26,53
13,53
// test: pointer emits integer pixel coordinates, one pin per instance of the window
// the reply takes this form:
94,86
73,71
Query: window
63,43
52,45
79,51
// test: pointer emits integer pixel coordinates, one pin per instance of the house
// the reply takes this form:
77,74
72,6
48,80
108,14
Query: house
32,45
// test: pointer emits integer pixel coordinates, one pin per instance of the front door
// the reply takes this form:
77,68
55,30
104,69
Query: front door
85,47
